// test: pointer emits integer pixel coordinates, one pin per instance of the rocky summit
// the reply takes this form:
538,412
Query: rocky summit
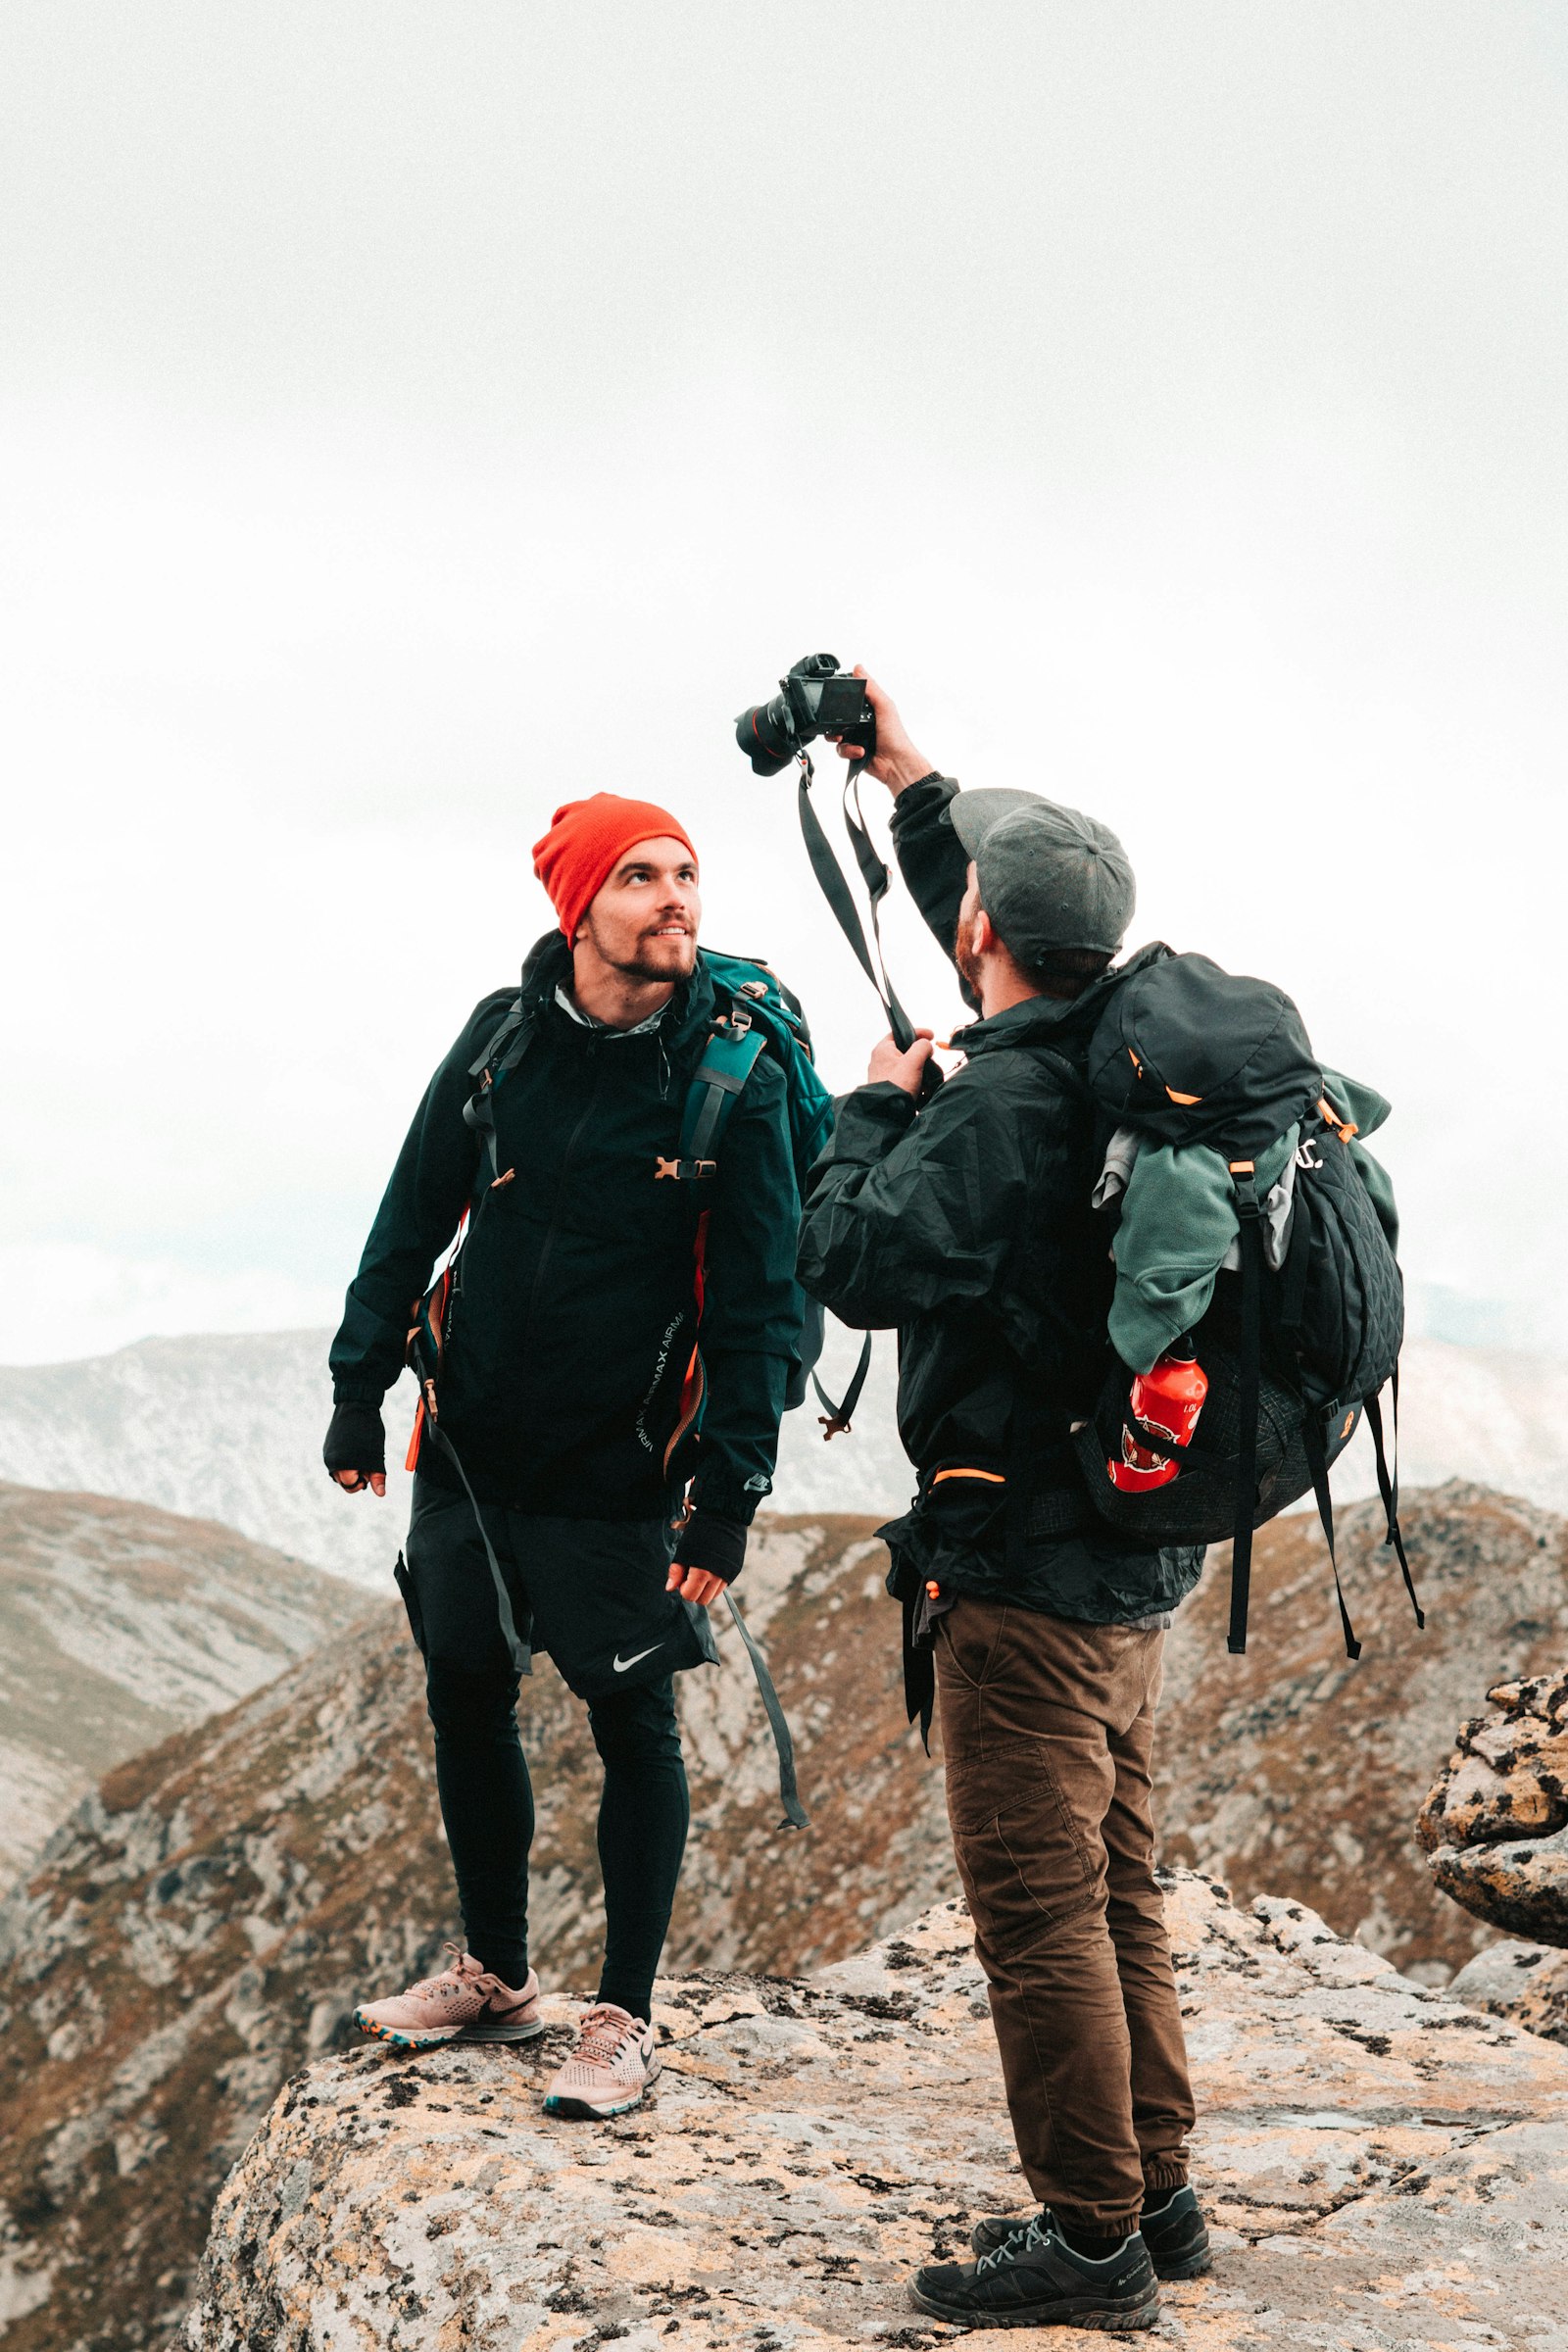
1381,2167
203,1924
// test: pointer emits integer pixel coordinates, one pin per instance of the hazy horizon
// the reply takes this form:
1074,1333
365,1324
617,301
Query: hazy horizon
412,423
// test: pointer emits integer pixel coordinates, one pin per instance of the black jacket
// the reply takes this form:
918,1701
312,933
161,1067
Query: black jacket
574,1315
968,1225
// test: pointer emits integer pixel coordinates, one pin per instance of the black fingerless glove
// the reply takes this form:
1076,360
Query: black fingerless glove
716,1546
356,1440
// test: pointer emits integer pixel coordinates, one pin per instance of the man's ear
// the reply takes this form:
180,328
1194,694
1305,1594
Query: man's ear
983,940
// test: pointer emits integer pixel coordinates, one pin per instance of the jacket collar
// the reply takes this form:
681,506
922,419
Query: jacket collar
1054,1020
547,966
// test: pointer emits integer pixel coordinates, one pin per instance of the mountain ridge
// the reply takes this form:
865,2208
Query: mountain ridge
120,1623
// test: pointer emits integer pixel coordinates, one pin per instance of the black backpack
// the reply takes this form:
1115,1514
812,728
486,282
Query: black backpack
1190,1056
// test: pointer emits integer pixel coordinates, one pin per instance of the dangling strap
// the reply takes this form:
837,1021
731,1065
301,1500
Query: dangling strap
920,1670
1249,1213
1389,1489
839,1417
518,1651
795,1816
1318,1463
830,879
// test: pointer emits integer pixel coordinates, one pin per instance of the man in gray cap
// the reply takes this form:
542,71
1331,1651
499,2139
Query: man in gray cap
962,1217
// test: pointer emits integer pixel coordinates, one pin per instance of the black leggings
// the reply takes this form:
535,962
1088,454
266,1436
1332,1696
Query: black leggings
487,1807
481,1774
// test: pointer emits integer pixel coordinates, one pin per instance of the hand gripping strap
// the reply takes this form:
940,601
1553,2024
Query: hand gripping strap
795,1816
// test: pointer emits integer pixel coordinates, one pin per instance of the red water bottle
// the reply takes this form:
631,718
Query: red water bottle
1167,1402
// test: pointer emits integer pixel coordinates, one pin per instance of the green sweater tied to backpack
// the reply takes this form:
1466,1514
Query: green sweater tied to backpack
1179,1226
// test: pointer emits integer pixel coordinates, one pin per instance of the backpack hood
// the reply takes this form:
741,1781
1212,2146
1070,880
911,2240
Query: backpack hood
1189,1053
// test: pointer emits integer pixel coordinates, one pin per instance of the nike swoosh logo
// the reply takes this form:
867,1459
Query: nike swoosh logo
623,1664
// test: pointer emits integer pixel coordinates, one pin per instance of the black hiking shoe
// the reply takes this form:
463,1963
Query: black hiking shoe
1035,2280
1173,2231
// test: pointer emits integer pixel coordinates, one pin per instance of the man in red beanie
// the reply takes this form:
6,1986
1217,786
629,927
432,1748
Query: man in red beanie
564,1409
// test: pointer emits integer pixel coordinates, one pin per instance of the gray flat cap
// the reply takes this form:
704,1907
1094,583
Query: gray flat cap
1048,876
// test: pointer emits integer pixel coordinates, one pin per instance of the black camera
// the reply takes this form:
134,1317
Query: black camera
816,698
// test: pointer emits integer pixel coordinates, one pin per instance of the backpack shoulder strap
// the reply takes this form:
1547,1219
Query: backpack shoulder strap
734,1046
506,1049
484,1066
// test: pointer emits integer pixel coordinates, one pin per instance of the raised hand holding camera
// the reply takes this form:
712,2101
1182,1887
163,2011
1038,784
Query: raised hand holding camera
817,699
892,758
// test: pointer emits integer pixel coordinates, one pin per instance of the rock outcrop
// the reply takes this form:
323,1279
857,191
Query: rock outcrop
1495,1824
120,1624
1496,1832
1381,2167
1296,1770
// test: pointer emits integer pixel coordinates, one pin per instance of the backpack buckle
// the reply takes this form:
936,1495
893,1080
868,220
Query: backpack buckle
685,1170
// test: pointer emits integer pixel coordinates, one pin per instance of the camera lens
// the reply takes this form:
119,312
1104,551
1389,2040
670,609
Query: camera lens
767,735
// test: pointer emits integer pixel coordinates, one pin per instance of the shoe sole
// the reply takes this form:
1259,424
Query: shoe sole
1190,2266
436,2040
1041,2315
441,2038
582,2111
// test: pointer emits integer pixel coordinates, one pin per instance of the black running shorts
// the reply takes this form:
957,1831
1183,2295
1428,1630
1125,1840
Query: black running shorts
588,1592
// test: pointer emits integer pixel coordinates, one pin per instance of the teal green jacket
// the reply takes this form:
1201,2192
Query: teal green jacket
1178,1223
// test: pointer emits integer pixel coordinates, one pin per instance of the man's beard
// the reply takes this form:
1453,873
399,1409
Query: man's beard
969,964
640,966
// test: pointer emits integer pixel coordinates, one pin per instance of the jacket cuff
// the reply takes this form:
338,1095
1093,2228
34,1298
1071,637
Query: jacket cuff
922,802
358,1392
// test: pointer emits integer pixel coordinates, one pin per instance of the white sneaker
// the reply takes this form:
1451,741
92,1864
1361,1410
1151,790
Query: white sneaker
615,2062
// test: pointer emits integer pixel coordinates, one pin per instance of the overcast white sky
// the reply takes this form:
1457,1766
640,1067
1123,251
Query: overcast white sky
416,416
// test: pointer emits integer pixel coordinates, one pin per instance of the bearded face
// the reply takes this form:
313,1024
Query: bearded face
644,921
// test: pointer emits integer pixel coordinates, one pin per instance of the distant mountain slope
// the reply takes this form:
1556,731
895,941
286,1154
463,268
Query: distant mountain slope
229,1426
120,1624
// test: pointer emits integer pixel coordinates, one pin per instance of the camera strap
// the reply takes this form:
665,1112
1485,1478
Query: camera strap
836,890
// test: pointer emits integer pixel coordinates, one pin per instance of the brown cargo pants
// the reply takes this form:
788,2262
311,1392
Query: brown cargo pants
1046,1727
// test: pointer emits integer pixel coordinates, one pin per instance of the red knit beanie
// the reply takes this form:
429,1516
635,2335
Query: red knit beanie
586,840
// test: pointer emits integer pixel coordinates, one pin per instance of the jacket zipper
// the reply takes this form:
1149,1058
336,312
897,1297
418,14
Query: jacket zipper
548,1244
